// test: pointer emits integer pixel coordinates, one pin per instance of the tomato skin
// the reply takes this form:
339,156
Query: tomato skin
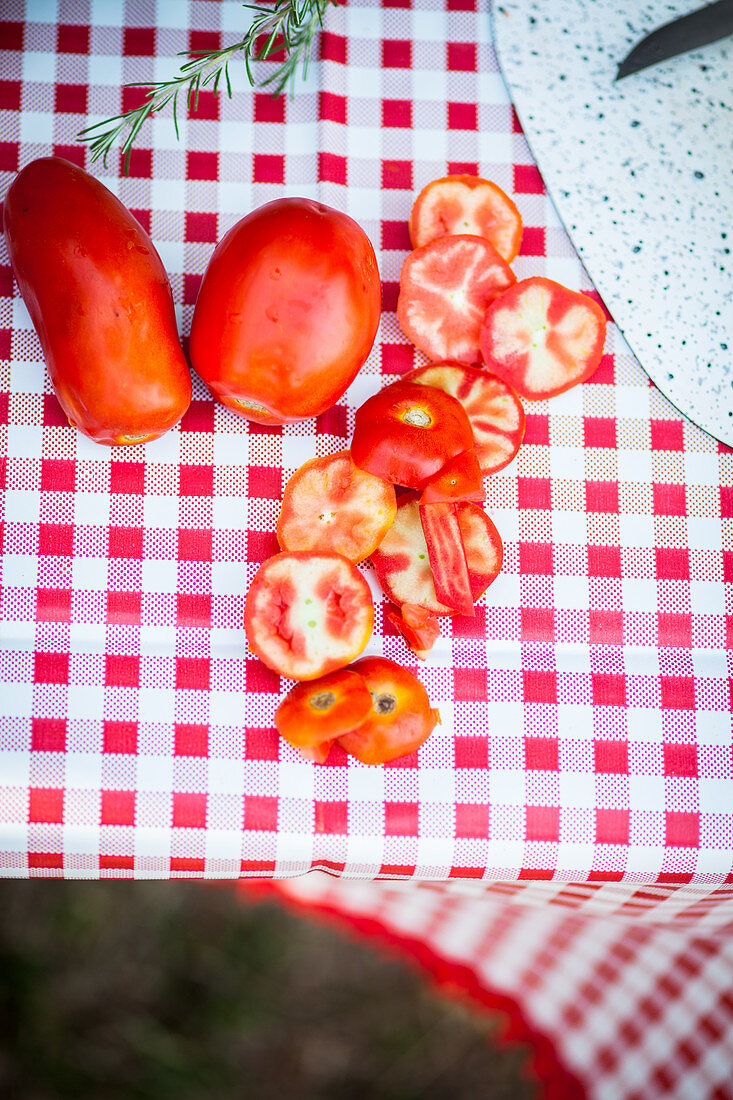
100,301
316,712
418,626
306,614
387,735
287,312
330,504
391,440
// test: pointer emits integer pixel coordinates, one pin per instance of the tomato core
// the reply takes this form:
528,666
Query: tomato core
417,418
384,703
324,700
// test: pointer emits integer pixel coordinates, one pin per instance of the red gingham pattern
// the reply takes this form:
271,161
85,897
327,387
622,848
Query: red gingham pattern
586,729
632,1011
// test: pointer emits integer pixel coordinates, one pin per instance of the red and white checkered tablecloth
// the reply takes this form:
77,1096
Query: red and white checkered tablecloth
586,710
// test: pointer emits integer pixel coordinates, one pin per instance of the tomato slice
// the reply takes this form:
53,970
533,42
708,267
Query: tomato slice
308,614
445,289
495,411
466,204
329,504
460,479
543,338
406,433
447,556
401,718
402,564
418,626
314,714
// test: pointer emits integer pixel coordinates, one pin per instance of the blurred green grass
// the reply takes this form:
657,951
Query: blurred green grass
179,991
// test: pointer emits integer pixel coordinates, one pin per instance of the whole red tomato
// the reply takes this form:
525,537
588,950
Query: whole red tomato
100,301
287,312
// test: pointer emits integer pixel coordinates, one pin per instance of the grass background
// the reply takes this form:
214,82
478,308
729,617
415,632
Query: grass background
178,991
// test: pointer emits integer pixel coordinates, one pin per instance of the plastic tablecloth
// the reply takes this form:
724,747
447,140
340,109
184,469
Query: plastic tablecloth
586,709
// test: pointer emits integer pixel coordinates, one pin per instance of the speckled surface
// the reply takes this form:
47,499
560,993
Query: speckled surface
641,173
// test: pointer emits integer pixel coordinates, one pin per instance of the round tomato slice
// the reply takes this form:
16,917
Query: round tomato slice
401,717
543,338
402,563
332,505
308,614
496,413
445,289
407,433
466,204
315,713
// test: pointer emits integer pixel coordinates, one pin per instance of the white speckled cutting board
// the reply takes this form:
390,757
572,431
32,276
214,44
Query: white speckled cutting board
641,173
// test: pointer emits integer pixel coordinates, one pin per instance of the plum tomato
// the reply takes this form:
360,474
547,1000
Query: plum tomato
419,627
401,717
99,299
406,433
287,311
402,563
308,614
315,713
496,413
466,204
543,338
330,504
445,289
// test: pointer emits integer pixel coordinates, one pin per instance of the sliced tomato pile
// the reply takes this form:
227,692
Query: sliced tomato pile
329,504
466,204
308,614
402,561
316,712
445,289
543,338
496,413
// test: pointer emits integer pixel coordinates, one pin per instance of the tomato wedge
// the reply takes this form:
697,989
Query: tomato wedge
401,718
447,556
406,433
466,204
460,479
329,504
543,338
402,564
308,614
418,627
496,413
314,714
445,289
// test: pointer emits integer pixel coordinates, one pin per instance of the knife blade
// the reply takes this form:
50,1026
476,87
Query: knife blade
689,32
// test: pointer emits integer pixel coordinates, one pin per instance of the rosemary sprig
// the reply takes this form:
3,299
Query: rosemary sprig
290,23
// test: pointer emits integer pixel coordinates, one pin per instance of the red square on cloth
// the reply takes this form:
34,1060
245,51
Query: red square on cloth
265,482
331,817
118,808
672,562
205,41
533,241
191,739
196,480
119,737
58,475
539,686
612,826
72,38
527,180
678,692
397,113
669,500
680,759
534,492
124,607
542,822
333,47
205,107
127,477
535,557
601,496
682,830
611,757
193,609
200,416
461,57
599,431
609,689
260,812
538,624
331,107
332,168
541,753
121,670
10,95
261,679
70,98
396,53
472,821
46,805
469,684
193,673
201,227
401,818
48,735
397,175
268,108
471,752
462,116
138,41
51,668
139,164
268,168
202,166
126,542
674,629
605,627
195,545
604,561
537,429
53,605
262,744
667,435
189,810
